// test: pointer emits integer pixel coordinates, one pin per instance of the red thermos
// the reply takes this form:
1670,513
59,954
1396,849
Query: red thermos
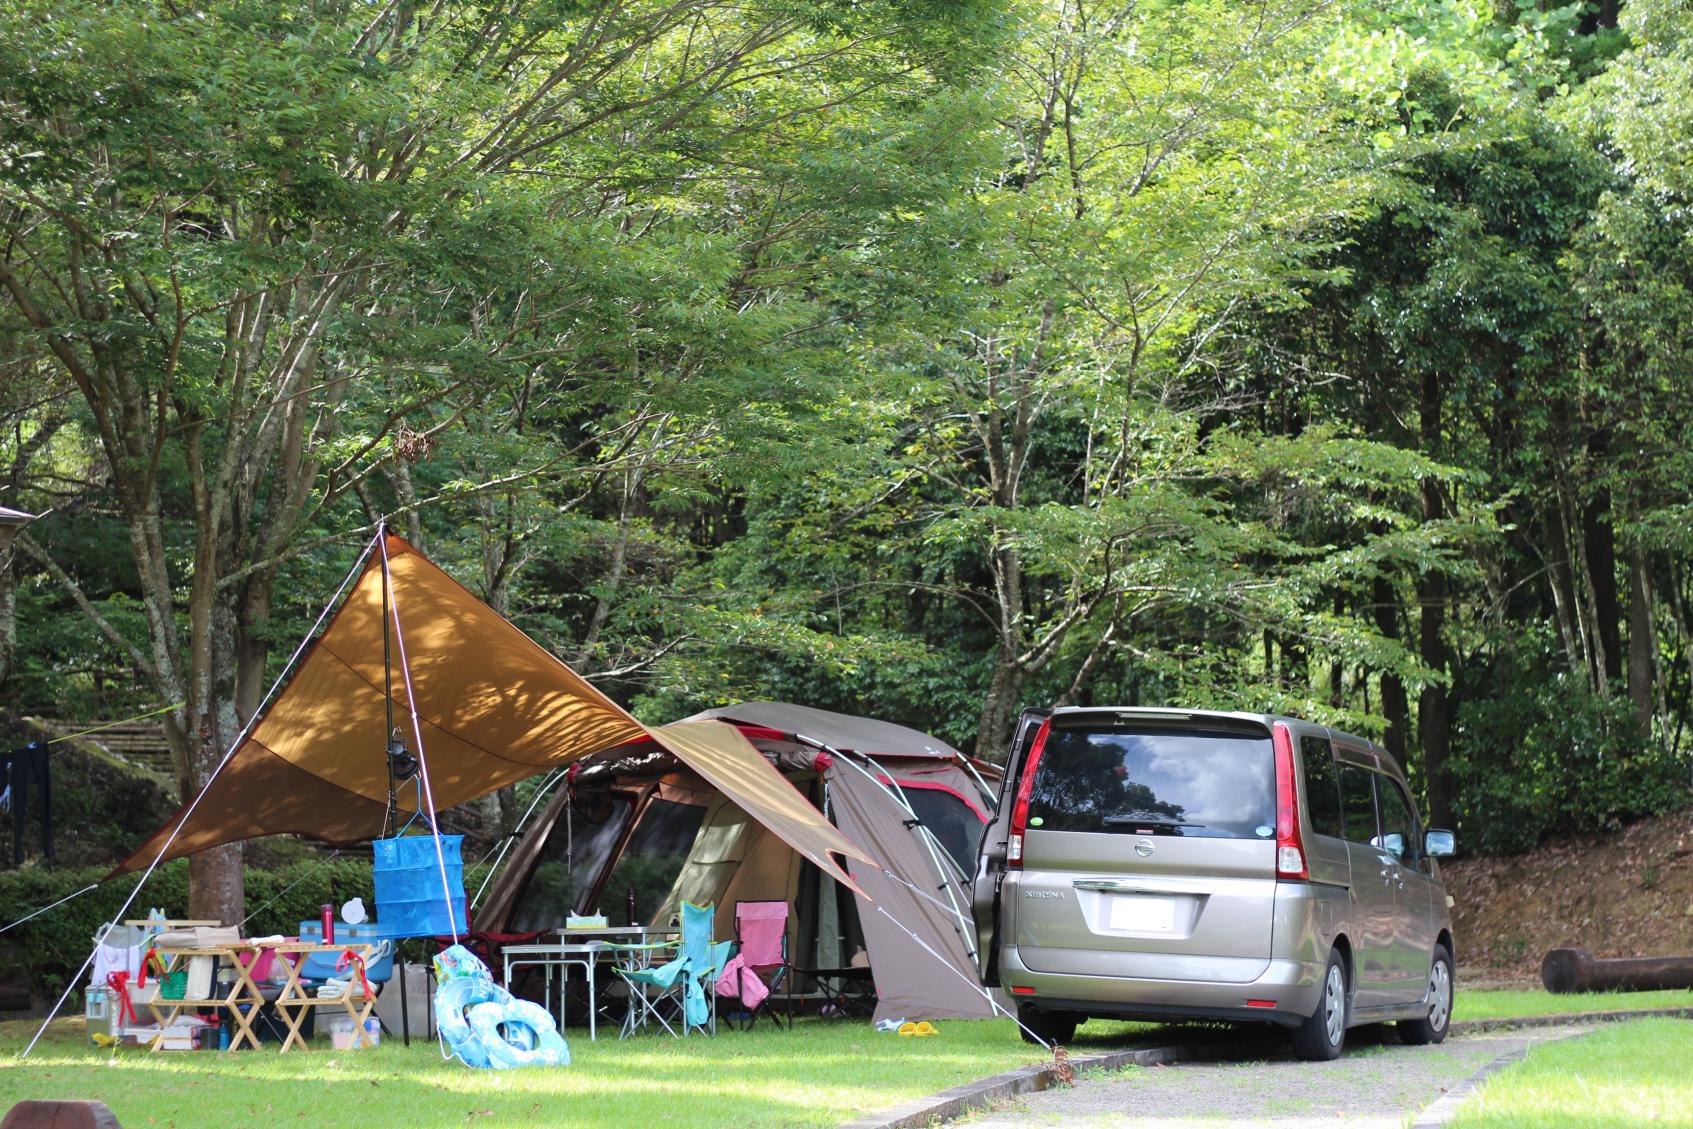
329,925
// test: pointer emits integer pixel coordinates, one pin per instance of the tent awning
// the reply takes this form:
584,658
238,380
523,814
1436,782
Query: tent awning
494,707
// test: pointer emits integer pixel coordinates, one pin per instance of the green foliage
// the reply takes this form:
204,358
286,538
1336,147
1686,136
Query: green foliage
1538,753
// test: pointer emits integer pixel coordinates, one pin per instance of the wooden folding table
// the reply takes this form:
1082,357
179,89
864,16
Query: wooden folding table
241,1001
295,1002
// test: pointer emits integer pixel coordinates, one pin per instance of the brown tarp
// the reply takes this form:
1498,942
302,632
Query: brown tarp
910,982
494,708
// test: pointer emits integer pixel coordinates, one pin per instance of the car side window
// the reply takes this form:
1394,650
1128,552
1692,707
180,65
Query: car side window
1357,803
1399,836
1322,786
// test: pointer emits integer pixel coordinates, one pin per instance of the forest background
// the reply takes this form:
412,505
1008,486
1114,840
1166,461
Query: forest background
924,359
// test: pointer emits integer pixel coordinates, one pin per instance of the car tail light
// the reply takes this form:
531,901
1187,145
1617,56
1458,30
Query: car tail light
1290,847
1260,1003
1022,991
1025,789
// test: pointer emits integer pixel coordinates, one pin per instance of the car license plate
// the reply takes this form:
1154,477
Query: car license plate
1143,915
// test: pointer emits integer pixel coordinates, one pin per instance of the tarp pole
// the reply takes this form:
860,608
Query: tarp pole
417,733
305,642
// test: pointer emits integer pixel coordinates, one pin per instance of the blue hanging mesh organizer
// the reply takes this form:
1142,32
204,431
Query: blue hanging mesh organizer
409,900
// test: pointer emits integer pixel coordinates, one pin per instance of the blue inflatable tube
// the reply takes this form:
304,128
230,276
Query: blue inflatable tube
517,1033
452,999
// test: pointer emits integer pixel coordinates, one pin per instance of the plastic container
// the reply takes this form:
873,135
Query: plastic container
321,966
373,1032
343,1033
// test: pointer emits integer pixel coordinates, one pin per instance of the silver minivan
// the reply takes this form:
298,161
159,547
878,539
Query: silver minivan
1167,864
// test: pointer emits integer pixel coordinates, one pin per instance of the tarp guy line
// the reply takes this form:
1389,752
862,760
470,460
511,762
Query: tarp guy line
417,731
55,905
195,802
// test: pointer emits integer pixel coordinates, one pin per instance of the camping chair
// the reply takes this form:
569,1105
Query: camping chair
756,971
677,990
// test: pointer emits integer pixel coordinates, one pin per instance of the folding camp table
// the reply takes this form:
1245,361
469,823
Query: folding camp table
294,1001
581,947
241,1000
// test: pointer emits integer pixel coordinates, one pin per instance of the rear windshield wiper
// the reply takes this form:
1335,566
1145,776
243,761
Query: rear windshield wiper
1142,819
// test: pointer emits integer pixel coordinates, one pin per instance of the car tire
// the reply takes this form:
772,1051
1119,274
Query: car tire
1320,1038
1056,1027
1431,1027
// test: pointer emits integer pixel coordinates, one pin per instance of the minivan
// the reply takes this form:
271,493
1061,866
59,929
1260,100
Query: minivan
1184,864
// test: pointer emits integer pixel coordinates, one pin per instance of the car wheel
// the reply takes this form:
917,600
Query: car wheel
1320,1037
1052,1026
1431,1028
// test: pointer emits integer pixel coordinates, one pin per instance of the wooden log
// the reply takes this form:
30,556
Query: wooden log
1577,970
60,1115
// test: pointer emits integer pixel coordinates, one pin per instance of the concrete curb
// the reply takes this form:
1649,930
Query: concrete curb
1475,1026
986,1092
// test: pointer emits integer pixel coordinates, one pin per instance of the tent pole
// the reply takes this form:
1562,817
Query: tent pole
993,796
71,984
417,734
547,785
927,838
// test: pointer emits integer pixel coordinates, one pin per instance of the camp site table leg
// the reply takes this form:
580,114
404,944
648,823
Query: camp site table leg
287,1006
243,991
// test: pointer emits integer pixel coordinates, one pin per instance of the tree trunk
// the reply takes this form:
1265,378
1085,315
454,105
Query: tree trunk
1433,724
8,616
1395,707
1600,554
1642,641
999,709
216,884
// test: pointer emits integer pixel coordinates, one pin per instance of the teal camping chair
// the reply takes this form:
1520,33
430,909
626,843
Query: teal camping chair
677,991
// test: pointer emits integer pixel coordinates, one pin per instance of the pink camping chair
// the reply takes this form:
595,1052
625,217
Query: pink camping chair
761,929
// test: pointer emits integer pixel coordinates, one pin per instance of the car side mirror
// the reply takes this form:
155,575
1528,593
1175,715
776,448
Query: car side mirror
1440,844
1394,844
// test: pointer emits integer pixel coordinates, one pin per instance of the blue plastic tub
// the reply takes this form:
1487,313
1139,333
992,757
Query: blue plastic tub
321,966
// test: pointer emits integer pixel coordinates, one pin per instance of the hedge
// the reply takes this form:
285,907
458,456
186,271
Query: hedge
45,952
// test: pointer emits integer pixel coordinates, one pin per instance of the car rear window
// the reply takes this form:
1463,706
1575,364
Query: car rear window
1191,782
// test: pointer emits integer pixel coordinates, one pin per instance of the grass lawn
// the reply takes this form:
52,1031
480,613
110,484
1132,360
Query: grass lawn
1514,1005
1621,1075
818,1074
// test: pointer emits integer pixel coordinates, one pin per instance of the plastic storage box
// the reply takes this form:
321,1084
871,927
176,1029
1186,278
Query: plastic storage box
321,966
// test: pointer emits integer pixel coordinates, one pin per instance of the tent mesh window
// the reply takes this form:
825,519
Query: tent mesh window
565,875
656,853
955,824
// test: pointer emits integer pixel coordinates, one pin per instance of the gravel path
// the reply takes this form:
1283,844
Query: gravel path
1376,1084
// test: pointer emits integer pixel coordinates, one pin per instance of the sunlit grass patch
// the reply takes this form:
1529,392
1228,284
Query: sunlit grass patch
1628,1074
